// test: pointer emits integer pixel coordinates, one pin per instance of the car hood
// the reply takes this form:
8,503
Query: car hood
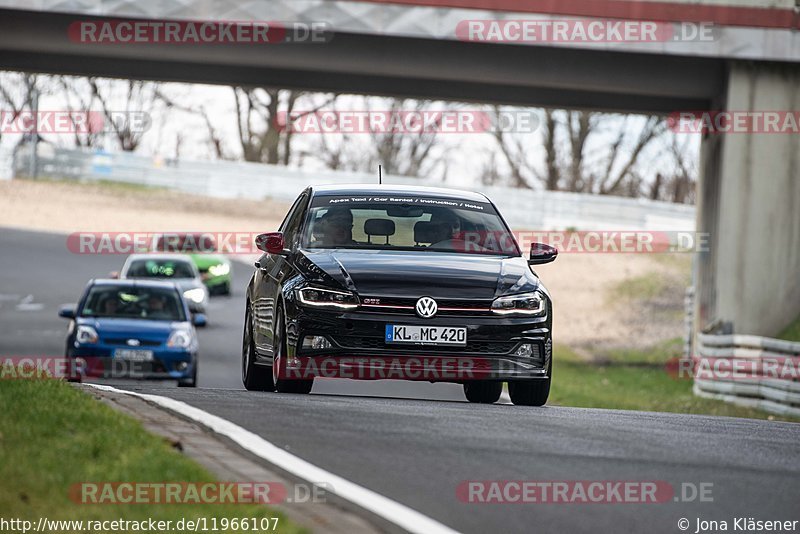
110,327
414,274
187,283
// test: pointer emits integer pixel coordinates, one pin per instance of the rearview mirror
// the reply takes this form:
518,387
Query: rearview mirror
542,253
67,311
271,242
404,210
199,319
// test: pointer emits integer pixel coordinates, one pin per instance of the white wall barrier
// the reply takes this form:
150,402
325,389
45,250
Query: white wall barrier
6,164
749,371
524,209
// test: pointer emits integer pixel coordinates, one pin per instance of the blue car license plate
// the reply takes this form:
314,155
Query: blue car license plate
134,355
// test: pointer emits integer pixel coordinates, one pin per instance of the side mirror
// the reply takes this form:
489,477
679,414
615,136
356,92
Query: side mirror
271,242
199,319
67,311
114,275
542,253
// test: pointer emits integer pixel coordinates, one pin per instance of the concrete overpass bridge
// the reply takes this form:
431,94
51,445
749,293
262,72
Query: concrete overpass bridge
749,197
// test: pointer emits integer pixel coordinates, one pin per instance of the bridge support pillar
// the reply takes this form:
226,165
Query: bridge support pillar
749,203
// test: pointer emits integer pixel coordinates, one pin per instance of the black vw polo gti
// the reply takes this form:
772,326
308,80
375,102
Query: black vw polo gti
372,282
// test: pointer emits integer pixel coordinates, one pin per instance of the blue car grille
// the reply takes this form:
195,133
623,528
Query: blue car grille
124,341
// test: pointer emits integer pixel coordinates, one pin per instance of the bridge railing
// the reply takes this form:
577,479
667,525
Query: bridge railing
753,371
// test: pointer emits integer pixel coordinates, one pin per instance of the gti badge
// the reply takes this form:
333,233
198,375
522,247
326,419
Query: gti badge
426,307
133,342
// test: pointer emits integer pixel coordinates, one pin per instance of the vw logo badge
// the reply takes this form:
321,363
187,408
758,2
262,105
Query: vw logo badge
426,307
133,342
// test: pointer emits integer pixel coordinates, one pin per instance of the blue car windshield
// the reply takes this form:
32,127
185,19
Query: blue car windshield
154,303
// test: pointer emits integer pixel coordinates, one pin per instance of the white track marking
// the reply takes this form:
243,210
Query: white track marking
27,304
392,511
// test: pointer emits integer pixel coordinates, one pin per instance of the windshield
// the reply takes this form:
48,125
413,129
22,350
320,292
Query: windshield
155,268
134,303
413,223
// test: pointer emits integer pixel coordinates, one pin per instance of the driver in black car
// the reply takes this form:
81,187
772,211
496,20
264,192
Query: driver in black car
448,229
335,228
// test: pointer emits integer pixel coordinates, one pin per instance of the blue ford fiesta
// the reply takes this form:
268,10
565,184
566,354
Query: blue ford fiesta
132,329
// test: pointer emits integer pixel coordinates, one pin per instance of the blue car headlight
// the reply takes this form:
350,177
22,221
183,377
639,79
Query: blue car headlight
86,334
180,339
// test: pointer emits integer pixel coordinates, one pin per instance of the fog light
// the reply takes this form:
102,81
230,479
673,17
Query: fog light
316,343
182,366
524,351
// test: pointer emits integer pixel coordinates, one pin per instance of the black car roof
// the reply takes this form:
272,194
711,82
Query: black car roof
389,189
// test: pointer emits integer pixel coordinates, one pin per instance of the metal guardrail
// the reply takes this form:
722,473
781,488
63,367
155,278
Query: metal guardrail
523,208
768,379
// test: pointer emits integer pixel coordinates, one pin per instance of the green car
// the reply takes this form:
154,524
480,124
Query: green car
215,268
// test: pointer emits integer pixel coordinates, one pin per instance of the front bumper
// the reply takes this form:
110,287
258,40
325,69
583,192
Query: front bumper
98,361
359,351
214,283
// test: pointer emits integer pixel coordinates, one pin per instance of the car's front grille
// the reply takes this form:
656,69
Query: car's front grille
124,341
482,347
406,306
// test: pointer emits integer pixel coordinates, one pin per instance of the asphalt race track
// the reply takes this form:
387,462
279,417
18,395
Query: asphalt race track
415,443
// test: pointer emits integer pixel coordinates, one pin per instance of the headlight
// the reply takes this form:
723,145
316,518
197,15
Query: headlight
195,295
220,269
522,304
179,339
86,334
312,296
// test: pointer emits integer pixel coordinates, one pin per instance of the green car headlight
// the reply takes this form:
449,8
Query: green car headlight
220,269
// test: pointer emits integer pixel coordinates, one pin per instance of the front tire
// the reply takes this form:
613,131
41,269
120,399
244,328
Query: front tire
531,392
190,382
254,377
483,392
283,385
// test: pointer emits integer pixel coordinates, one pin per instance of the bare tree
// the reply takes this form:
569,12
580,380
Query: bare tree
261,137
120,100
18,92
401,150
574,153
81,98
